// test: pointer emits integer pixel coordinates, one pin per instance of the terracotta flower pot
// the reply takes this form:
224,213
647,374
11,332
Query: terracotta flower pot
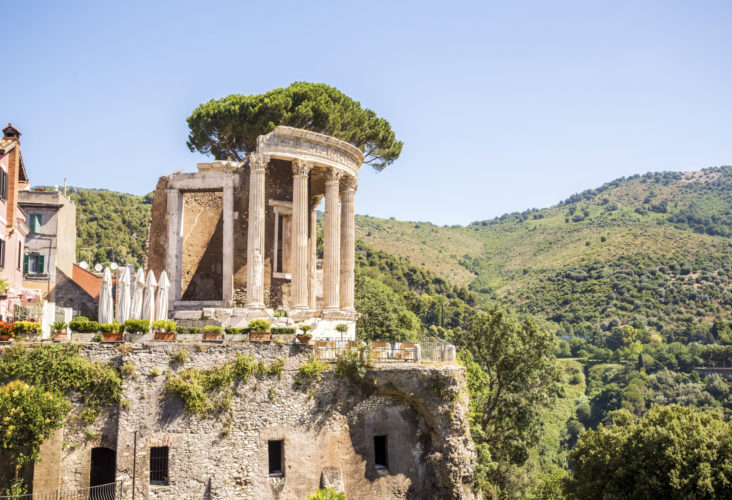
5,338
164,336
304,339
212,336
112,337
260,336
59,336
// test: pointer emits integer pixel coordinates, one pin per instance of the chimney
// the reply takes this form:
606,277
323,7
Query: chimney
11,132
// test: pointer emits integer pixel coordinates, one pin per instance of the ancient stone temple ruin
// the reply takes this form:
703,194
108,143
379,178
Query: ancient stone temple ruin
238,240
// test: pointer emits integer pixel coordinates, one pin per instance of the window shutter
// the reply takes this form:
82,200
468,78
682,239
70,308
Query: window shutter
40,264
5,185
25,264
2,253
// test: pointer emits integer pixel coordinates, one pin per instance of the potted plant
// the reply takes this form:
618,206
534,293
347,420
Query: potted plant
29,330
58,331
164,329
136,328
213,332
4,285
7,331
304,337
341,328
82,324
112,332
259,330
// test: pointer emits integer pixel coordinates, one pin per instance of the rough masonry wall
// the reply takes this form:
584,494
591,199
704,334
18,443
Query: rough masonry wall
157,238
327,428
202,246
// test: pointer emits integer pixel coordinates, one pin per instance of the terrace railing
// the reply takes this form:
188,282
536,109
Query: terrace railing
111,491
382,352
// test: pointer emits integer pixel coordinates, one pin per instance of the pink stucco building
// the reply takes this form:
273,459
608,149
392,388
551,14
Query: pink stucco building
13,224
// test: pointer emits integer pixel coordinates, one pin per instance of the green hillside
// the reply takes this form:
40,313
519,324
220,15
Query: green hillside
654,250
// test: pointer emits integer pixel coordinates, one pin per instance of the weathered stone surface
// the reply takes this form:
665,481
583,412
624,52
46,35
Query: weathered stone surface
325,426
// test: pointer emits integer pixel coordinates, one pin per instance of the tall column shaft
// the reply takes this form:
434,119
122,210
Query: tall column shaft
300,216
227,267
313,242
348,243
331,242
255,235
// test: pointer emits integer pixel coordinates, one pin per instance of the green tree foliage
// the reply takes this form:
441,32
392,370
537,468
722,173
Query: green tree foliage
110,226
28,414
384,315
672,452
230,126
520,372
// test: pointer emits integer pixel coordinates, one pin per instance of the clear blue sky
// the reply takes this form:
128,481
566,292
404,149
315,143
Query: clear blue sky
502,106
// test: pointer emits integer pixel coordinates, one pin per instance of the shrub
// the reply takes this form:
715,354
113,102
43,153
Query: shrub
29,327
180,356
305,329
351,365
259,325
280,314
137,326
213,329
59,326
309,372
81,324
283,331
326,494
127,370
163,326
341,327
111,328
233,331
180,329
194,330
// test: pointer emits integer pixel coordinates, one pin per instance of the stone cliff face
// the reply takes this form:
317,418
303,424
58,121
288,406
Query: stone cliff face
331,431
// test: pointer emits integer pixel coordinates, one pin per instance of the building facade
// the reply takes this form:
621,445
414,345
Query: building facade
50,245
13,225
238,240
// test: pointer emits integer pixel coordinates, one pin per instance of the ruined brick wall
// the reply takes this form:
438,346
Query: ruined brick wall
67,293
328,429
202,247
156,251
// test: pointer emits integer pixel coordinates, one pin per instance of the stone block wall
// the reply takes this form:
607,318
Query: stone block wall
327,429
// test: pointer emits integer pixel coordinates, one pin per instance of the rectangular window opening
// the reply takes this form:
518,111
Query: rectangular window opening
274,449
159,465
381,458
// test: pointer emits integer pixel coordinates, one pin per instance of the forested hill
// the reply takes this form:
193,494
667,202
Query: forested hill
652,250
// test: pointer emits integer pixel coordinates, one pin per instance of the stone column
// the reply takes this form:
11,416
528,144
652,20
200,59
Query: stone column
175,230
227,268
255,235
331,241
348,242
300,212
313,242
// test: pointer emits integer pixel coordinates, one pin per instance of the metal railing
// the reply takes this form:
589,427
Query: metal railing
111,491
331,350
437,351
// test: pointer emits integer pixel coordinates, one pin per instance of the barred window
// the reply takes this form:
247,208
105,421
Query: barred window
159,465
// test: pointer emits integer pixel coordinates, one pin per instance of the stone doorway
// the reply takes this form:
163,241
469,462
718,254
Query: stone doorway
103,467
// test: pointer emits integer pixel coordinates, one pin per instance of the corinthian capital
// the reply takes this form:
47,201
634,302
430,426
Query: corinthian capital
301,167
349,183
258,161
332,175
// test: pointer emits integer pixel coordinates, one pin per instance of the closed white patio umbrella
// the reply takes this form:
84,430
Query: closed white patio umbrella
123,307
148,304
106,305
138,289
161,306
